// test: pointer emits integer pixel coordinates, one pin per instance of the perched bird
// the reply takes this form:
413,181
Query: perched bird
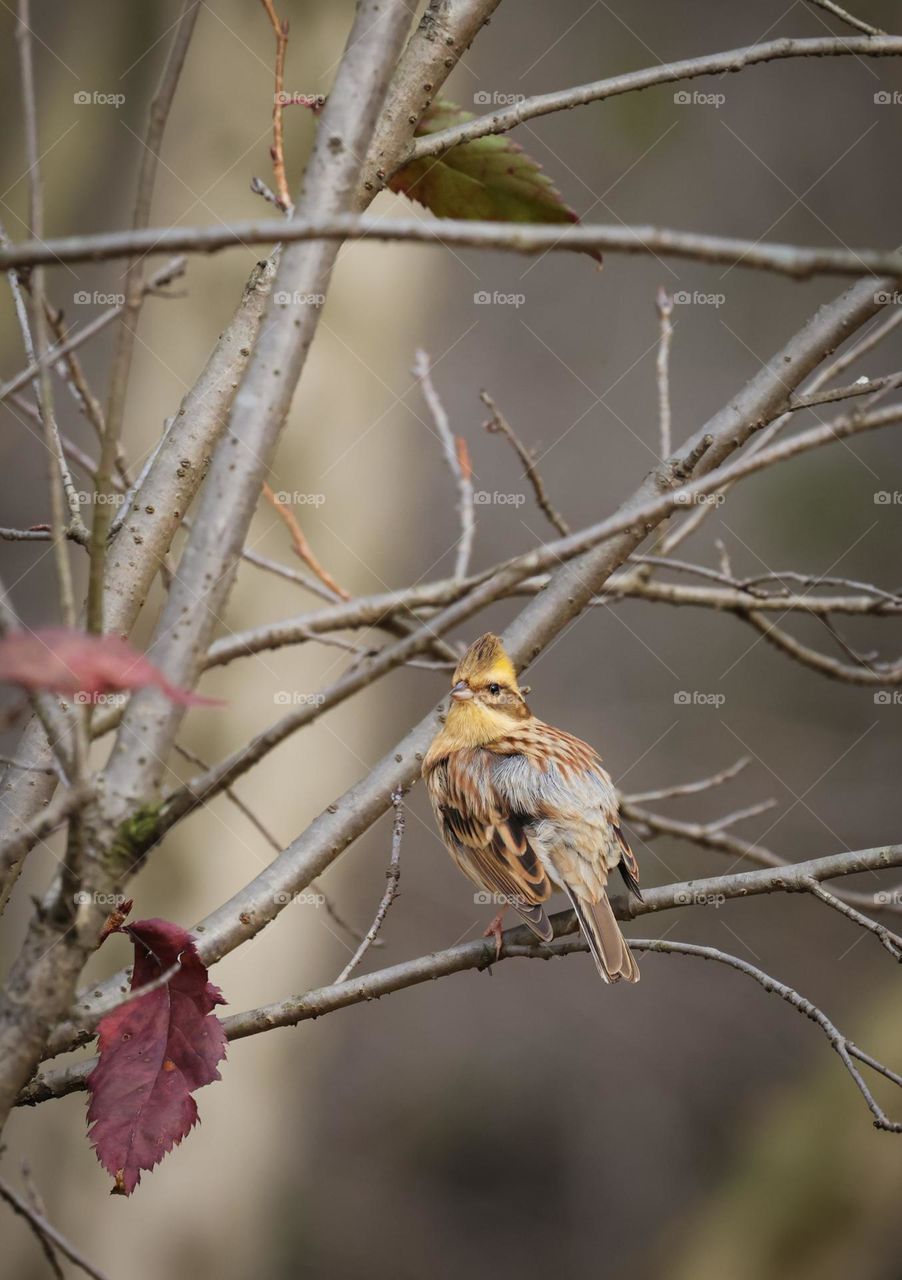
525,808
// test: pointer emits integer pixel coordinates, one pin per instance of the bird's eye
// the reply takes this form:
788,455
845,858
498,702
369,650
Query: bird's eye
494,688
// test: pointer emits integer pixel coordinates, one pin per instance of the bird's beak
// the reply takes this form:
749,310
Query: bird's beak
461,692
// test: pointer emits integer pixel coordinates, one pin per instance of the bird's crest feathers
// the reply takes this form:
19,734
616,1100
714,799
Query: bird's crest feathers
486,661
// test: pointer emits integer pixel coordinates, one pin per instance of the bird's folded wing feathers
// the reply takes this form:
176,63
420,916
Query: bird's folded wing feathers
488,839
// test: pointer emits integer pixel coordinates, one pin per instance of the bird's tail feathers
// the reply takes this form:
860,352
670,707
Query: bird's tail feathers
608,946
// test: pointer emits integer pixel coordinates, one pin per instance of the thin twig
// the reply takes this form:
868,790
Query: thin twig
506,118
46,1231
499,423
838,12
37,1204
455,454
664,307
277,152
393,875
273,843
891,941
154,285
301,546
799,262
691,788
126,331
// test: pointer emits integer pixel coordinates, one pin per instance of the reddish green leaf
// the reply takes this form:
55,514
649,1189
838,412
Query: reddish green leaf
490,179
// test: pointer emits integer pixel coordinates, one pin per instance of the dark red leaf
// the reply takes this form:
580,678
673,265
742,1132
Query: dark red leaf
74,662
154,1052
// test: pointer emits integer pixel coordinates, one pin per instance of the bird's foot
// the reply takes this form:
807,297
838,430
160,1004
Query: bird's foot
494,930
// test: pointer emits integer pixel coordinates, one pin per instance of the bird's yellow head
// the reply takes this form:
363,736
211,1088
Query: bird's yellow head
486,700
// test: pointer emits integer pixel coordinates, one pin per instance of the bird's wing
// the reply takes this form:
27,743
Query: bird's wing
487,837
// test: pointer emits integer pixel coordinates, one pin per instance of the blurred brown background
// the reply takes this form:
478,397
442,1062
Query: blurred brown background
529,1121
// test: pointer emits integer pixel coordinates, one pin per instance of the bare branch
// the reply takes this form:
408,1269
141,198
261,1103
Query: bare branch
480,955
799,262
277,151
393,875
458,463
501,121
664,307
838,12
46,1232
301,546
171,271
127,322
499,423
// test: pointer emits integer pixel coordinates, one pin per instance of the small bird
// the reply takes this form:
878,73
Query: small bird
525,808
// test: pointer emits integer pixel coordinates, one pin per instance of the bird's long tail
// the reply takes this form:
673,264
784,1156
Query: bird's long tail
608,946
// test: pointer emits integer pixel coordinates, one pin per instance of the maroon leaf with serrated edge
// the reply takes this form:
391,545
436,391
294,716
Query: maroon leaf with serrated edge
154,1052
73,662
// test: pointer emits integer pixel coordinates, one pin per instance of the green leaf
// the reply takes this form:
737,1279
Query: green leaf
489,180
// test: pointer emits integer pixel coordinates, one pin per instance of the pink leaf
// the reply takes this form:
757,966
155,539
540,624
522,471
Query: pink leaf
73,662
154,1052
